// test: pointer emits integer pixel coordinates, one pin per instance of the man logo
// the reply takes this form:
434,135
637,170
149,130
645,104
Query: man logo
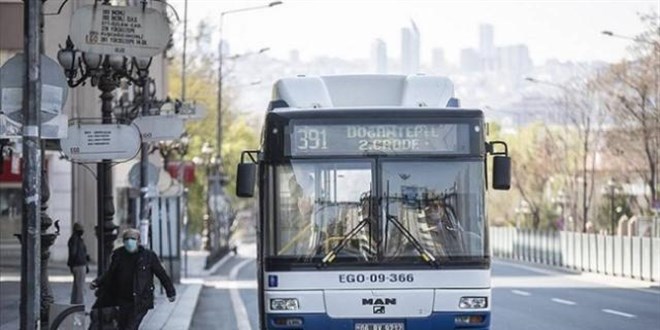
379,309
378,301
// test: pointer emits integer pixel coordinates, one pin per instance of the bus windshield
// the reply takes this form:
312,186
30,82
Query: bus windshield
389,211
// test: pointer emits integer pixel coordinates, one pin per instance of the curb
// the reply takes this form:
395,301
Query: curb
184,310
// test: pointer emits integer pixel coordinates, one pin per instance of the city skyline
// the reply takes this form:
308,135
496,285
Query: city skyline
552,30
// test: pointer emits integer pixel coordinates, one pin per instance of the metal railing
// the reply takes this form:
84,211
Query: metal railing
626,256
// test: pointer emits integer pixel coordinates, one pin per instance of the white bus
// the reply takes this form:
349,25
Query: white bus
372,215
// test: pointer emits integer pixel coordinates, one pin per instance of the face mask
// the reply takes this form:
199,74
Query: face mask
131,245
79,232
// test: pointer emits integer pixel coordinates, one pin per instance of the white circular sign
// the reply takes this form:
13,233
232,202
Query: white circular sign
54,88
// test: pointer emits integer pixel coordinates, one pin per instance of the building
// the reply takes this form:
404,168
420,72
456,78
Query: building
514,59
470,61
438,61
410,49
379,56
487,52
72,187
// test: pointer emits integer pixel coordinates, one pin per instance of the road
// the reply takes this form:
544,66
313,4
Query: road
524,297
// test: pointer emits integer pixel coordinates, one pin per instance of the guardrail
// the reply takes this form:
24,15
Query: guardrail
635,257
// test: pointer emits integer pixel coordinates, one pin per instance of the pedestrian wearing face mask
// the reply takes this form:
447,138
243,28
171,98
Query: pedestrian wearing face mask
77,263
128,283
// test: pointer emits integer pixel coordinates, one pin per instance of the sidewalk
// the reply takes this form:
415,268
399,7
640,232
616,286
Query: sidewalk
165,315
178,315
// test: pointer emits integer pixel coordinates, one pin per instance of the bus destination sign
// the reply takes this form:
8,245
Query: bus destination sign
352,139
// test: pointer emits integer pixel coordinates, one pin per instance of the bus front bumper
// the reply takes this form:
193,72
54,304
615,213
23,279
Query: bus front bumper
437,320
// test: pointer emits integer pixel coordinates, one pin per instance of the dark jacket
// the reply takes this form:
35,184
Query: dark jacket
147,266
77,251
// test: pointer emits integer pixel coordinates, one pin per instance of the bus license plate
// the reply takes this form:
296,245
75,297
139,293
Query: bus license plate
379,326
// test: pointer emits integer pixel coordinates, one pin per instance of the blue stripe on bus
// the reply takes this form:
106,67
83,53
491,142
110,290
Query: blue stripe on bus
438,320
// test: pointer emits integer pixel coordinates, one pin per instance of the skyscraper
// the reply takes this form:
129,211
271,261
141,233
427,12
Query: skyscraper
487,47
514,58
379,56
438,62
470,60
410,49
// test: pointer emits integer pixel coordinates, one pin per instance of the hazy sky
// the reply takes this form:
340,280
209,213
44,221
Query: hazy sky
566,30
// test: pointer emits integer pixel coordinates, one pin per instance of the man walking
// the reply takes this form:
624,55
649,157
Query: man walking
77,263
129,282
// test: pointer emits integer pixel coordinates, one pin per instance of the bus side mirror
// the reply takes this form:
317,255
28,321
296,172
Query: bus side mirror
501,172
501,166
245,176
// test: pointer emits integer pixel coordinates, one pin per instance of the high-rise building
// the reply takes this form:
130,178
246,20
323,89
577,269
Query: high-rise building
487,50
410,49
470,60
514,58
379,56
438,62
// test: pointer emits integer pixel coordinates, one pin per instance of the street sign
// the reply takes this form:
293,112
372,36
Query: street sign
96,142
119,30
54,91
153,174
191,110
159,128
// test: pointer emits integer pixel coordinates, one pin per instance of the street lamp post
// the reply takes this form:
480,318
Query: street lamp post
207,152
104,72
220,62
585,182
656,54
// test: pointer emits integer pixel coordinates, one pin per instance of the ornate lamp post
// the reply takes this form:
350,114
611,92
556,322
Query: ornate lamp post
205,160
104,72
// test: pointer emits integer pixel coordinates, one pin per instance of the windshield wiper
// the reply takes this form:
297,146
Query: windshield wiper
426,256
330,256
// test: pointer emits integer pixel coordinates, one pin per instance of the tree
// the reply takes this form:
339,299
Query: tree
533,152
580,139
632,91
201,87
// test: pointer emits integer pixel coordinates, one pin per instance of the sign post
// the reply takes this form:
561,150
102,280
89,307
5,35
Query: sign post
96,142
118,30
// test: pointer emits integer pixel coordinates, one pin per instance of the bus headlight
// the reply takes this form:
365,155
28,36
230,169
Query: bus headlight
473,302
284,304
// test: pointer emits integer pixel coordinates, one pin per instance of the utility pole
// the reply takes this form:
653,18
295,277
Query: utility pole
30,305
145,223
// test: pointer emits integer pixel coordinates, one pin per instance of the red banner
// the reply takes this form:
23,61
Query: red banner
188,171
6,175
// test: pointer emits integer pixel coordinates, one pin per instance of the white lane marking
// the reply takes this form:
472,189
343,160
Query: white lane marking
209,272
521,293
562,301
241,314
582,277
611,311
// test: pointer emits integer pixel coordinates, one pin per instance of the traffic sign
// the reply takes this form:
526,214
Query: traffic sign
119,30
191,110
159,128
54,91
153,175
96,142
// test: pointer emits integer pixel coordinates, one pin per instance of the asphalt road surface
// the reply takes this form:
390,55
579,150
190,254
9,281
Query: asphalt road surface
524,297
